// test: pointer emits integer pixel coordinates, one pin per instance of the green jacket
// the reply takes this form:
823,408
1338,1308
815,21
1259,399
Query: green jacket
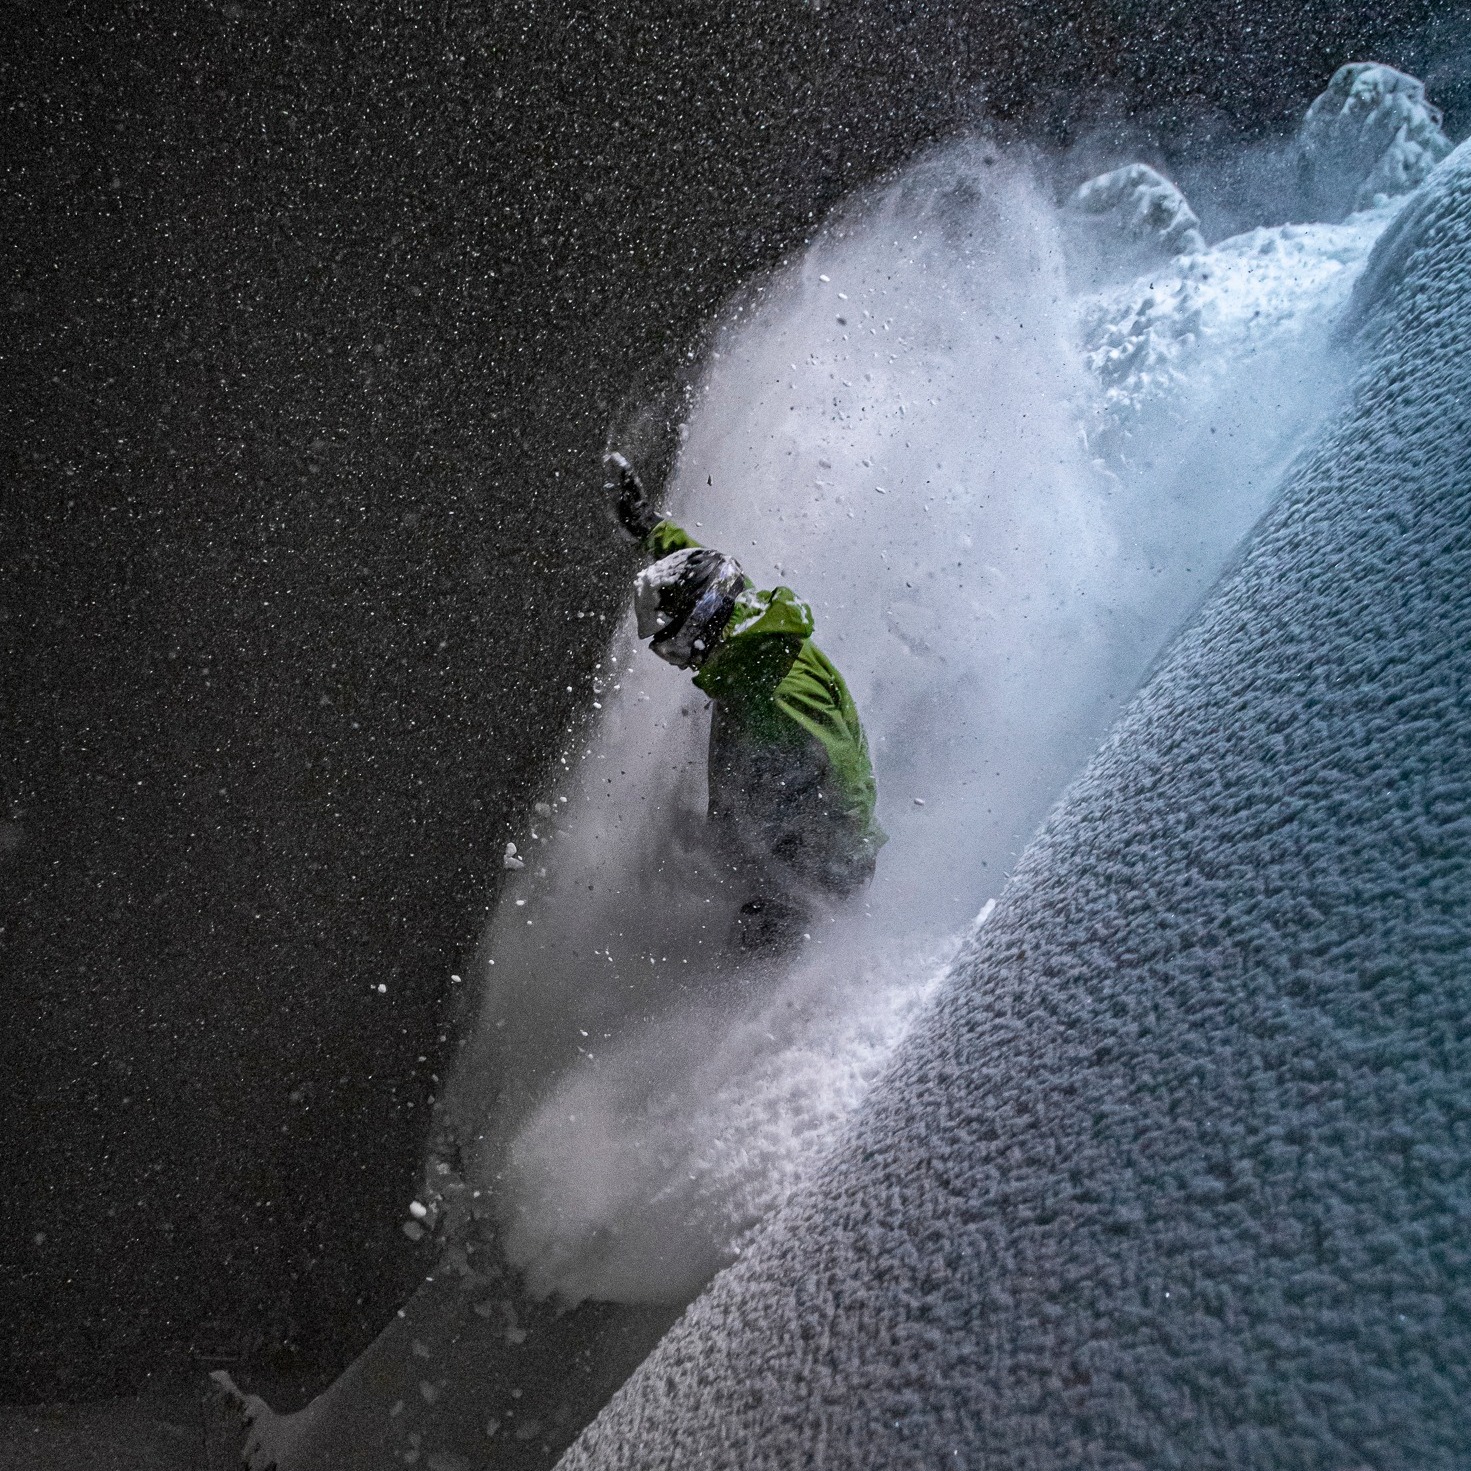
790,775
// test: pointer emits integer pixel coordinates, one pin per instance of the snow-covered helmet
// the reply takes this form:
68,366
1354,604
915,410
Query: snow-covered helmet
684,600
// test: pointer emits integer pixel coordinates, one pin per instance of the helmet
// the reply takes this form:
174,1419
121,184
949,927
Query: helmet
684,601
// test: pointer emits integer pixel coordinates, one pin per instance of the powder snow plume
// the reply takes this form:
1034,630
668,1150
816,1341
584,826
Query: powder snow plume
1000,495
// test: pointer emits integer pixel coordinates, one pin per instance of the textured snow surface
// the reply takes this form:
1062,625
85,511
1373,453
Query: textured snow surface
1137,211
1177,1171
1161,344
1370,136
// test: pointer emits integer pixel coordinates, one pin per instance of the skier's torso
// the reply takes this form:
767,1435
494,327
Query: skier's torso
790,775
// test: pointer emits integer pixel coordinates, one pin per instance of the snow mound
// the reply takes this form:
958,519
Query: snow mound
1135,216
1156,343
1371,136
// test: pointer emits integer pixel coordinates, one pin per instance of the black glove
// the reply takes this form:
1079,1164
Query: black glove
626,499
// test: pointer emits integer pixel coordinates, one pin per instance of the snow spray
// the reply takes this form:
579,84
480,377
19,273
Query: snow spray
1000,499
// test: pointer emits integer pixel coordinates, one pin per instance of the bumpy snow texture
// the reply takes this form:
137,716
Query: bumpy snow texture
1370,136
1177,1173
1142,215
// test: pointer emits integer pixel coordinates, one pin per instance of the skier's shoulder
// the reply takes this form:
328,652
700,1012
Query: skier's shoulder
813,681
775,612
755,652
812,662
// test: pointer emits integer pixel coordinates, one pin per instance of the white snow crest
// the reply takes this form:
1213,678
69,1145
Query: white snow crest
1157,343
1370,137
1139,215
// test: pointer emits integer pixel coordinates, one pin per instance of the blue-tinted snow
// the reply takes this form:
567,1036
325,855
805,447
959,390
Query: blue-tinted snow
1177,1171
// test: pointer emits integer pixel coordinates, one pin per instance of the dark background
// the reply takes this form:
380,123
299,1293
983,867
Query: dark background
314,319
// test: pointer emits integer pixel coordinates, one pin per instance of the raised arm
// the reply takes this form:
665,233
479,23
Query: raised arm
634,511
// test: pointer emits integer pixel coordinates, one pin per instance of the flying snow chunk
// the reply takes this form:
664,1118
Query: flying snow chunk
1369,137
509,858
1132,217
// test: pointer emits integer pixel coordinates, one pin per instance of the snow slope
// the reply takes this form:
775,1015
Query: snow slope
891,426
1001,500
1176,1171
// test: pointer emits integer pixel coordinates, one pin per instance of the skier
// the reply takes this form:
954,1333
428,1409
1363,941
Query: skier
791,785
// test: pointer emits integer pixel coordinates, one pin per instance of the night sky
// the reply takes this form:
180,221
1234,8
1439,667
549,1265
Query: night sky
315,319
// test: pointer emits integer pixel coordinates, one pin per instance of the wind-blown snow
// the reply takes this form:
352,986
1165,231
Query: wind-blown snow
919,428
632,1192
